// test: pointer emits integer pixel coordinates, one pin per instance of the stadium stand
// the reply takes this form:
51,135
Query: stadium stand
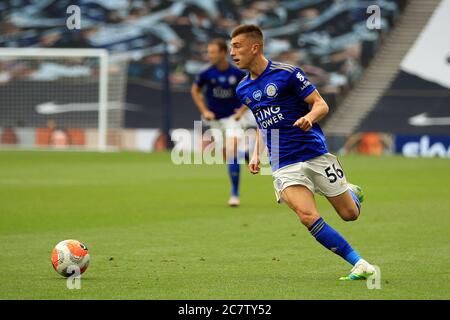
402,101
328,39
384,78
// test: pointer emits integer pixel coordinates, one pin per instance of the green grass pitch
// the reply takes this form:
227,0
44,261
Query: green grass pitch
160,231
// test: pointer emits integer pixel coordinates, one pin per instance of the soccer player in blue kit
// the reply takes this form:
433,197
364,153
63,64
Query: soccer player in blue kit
214,93
287,108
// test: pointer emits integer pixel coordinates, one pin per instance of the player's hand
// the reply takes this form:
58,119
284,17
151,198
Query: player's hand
253,165
303,123
208,115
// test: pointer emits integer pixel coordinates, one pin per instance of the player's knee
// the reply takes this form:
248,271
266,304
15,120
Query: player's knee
307,217
350,214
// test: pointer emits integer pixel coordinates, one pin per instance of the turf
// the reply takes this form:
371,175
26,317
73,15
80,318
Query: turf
160,231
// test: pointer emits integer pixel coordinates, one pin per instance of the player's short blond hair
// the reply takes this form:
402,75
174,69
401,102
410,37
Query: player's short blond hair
249,30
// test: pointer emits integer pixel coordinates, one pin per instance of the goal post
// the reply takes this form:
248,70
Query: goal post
61,98
103,100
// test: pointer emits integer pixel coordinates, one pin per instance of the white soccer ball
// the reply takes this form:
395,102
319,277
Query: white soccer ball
70,257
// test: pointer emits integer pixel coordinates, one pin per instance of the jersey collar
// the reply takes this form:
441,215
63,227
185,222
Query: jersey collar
265,70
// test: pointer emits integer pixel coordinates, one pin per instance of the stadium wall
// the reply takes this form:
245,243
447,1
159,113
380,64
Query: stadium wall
415,108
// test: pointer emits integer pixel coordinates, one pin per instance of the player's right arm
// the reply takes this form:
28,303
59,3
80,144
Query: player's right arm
254,164
200,102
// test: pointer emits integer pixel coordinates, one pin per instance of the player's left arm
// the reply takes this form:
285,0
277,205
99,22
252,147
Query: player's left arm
239,112
319,110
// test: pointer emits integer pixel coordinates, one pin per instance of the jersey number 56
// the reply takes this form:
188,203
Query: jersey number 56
333,176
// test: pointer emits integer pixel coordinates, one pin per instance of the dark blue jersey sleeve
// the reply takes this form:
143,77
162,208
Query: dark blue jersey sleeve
201,79
299,84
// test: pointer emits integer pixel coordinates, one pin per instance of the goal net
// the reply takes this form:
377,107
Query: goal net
61,98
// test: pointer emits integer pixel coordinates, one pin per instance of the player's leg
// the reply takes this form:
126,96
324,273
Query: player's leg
346,206
233,133
357,194
327,177
301,200
222,142
232,160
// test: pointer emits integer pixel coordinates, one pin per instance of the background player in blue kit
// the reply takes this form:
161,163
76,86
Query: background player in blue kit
214,93
287,108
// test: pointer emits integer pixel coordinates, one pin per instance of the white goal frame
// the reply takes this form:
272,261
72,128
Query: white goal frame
103,56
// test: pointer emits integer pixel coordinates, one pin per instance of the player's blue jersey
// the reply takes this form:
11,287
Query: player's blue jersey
276,99
220,89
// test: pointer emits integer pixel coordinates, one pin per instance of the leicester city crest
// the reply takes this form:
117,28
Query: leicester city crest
271,90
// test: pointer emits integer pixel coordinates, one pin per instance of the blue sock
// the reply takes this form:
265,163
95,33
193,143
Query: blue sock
355,198
233,171
332,240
